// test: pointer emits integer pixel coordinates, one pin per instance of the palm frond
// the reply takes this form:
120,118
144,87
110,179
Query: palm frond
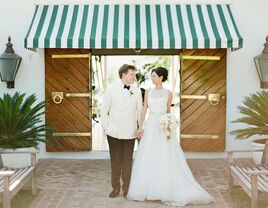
21,121
250,131
255,111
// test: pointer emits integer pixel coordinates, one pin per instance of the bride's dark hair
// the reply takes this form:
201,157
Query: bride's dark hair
161,71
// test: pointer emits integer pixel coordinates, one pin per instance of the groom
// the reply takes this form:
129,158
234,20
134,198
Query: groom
120,114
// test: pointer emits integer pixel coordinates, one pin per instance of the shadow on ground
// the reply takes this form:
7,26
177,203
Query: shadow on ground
242,199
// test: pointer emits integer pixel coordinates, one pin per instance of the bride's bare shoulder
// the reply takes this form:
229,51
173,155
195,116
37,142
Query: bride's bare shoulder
169,92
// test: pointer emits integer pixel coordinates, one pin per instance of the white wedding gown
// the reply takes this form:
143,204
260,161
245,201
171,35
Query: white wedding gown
160,171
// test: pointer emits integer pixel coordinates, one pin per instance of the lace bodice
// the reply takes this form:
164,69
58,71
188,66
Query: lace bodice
157,100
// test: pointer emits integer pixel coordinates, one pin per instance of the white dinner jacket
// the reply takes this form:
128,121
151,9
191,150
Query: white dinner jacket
121,111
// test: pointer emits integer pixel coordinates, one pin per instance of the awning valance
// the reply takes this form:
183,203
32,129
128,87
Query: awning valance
133,26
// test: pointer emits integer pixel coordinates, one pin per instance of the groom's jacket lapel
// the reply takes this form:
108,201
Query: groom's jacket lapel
121,115
124,97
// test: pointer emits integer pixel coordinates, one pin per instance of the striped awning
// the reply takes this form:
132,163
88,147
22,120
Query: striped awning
133,26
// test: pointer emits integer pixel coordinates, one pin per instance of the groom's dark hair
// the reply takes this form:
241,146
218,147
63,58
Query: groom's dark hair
124,69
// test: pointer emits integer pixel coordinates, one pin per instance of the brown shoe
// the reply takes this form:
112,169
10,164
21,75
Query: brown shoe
114,193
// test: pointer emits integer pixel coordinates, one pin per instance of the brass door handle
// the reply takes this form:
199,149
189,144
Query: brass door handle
57,56
199,136
194,97
213,98
57,97
74,94
58,134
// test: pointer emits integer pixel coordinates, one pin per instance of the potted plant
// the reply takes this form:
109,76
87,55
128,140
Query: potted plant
21,122
255,114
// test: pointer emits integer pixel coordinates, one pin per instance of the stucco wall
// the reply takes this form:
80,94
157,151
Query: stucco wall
251,17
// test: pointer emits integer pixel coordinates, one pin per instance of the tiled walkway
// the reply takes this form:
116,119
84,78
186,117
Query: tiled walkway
86,183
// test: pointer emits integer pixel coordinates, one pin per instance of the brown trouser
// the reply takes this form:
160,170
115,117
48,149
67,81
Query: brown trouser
121,151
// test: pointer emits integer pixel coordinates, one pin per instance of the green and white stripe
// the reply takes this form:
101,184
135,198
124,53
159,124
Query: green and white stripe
158,26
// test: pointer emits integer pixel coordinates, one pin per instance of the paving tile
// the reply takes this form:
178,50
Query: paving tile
86,184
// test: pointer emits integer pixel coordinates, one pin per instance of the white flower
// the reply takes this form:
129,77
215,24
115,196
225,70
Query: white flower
168,123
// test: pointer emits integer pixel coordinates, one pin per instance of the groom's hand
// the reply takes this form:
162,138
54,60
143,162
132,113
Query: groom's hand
139,133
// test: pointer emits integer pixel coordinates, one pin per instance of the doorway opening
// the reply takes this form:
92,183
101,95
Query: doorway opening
105,73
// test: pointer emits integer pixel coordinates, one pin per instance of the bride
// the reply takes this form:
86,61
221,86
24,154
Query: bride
160,170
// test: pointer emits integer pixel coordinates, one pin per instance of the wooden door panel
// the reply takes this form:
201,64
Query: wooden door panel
199,117
73,114
190,106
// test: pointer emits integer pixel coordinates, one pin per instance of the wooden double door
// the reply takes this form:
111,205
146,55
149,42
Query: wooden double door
203,84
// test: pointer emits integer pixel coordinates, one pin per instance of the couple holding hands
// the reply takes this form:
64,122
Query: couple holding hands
160,170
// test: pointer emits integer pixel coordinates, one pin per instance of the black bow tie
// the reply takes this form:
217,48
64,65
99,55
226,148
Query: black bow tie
127,87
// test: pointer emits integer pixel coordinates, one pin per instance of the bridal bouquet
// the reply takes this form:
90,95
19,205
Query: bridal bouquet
168,123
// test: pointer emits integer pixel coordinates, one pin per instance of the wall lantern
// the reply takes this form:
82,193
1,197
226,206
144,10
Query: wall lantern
261,62
9,65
